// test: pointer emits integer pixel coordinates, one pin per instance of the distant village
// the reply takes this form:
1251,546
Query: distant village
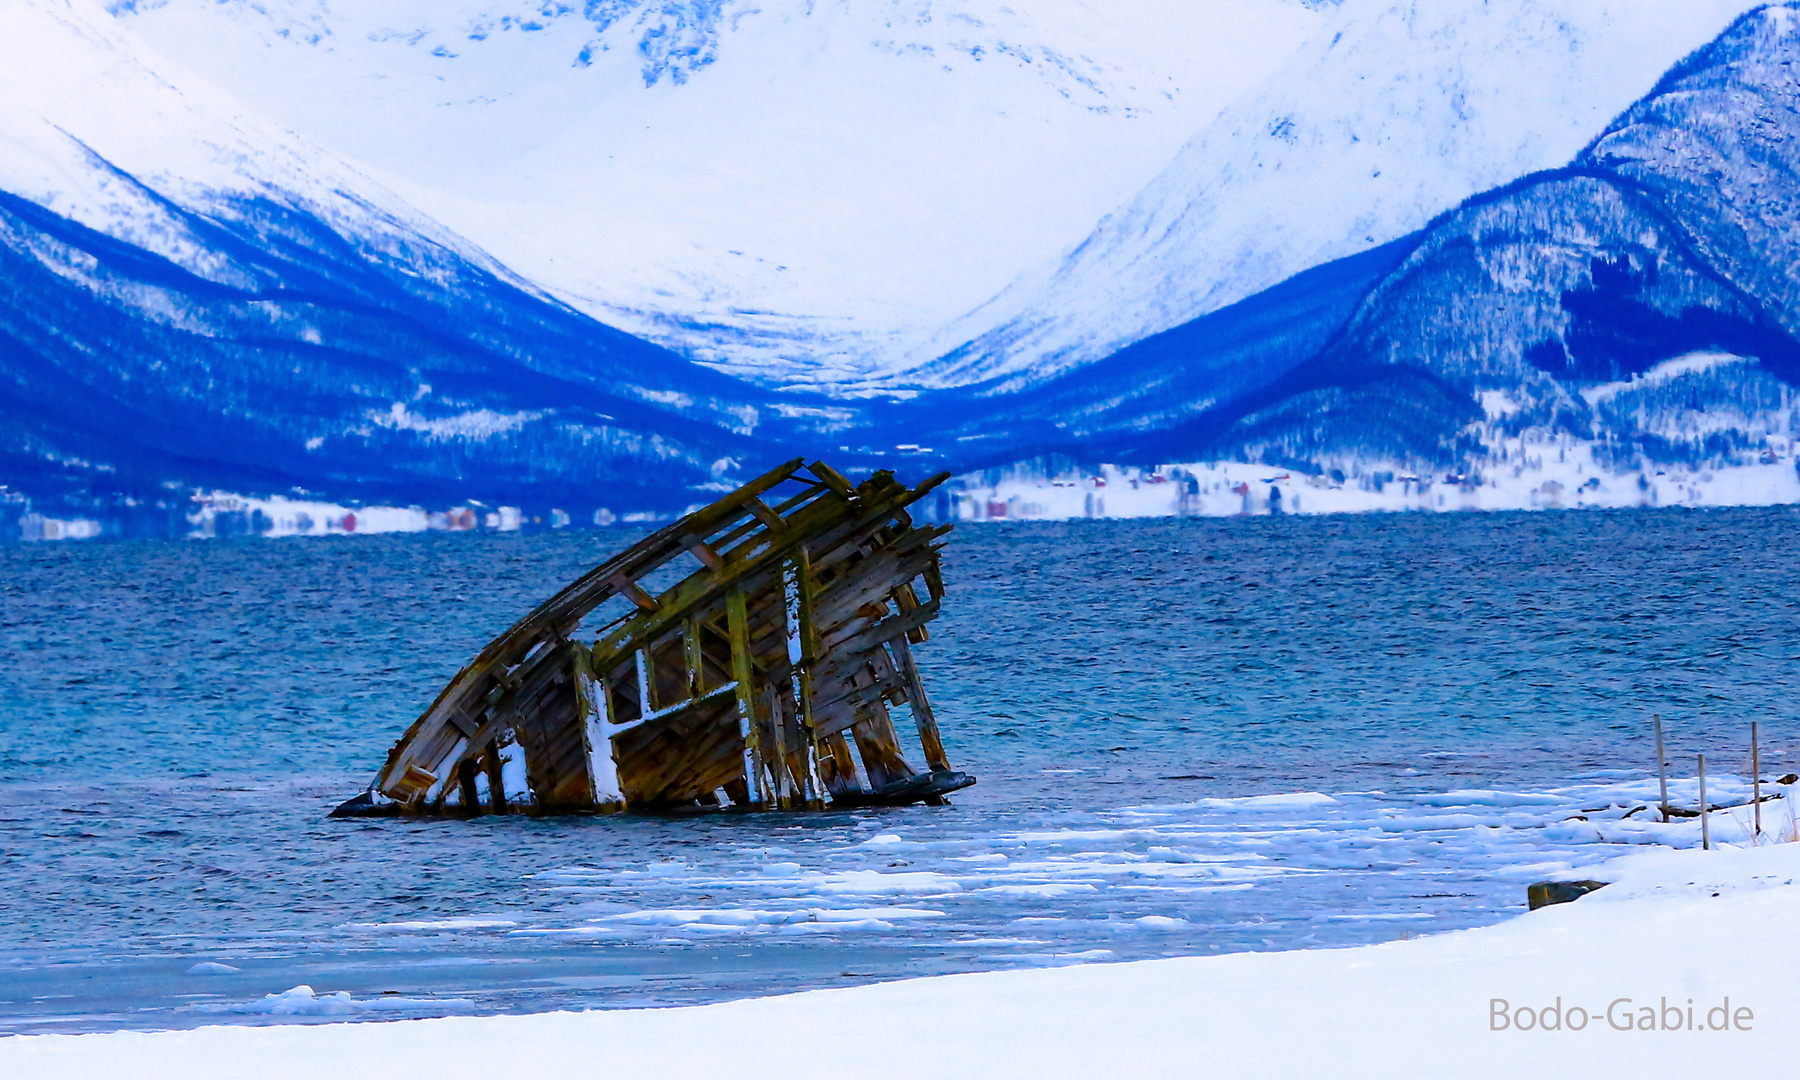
1533,471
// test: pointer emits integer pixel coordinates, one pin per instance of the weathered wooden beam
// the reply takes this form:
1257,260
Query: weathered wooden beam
929,738
703,551
738,633
741,565
802,649
690,649
773,521
496,783
890,628
833,479
632,591
776,749
595,700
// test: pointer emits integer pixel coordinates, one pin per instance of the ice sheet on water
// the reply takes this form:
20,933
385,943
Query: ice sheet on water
1489,798
757,917
1271,802
303,1001
465,923
1042,890
1086,956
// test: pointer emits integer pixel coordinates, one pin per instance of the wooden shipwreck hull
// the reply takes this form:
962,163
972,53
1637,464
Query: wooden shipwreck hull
763,679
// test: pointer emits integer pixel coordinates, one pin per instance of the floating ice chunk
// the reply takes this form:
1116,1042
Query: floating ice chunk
735,919
1048,890
876,883
1085,957
302,1001
1288,800
208,967
1081,836
860,914
883,840
1488,798
1162,922
838,927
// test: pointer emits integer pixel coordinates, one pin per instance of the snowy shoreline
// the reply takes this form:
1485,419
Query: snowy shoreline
1677,928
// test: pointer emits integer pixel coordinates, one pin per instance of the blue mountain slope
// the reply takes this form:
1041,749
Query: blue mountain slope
1674,233
1162,382
305,361
1645,298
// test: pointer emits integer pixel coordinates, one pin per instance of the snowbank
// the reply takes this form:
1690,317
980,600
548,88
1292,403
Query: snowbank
1695,944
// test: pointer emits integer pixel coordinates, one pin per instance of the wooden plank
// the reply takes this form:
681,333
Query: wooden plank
880,748
738,633
797,591
907,599
465,784
771,520
833,479
703,551
632,591
496,785
694,662
837,767
929,738
750,559
595,701
776,749
889,628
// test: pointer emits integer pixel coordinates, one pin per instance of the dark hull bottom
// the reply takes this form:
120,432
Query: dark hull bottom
929,788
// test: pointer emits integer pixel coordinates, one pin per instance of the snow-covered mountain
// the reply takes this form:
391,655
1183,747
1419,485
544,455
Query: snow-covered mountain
1637,307
802,189
1640,304
1391,114
199,299
195,297
1643,298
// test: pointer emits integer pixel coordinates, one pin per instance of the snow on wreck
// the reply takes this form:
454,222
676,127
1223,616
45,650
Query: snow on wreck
762,679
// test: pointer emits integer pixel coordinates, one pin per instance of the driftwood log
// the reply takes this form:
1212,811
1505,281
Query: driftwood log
763,679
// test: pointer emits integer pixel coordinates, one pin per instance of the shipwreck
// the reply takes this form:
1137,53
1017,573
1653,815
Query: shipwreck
765,678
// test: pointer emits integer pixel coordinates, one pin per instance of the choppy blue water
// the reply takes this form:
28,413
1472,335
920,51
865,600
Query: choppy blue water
177,719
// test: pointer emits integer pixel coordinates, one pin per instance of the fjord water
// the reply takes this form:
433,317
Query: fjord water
1468,695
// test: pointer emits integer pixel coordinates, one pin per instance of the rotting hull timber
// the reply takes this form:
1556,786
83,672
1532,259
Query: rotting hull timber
763,679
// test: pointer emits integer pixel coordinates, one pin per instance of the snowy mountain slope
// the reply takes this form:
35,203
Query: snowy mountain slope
195,297
801,188
1104,411
1642,299
1392,113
